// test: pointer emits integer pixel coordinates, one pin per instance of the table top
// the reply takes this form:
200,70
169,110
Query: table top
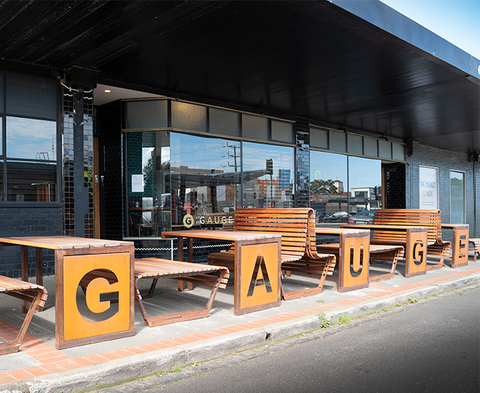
383,226
62,242
232,236
454,226
338,231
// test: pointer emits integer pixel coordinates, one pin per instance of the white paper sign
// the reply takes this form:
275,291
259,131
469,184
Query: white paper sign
137,183
428,188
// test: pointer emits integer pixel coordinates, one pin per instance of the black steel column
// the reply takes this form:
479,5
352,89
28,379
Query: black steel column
79,81
80,188
302,163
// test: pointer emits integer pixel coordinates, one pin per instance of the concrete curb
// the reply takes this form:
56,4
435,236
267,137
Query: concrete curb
143,364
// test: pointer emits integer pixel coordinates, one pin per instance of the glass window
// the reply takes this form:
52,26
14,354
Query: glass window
328,184
340,183
149,207
205,178
365,184
183,181
268,172
28,146
457,197
31,160
31,139
31,182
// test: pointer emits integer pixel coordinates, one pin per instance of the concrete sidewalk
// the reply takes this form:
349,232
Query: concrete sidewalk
39,367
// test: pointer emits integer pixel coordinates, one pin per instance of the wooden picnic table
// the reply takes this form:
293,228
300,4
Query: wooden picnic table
360,241
459,244
363,252
257,265
74,258
415,248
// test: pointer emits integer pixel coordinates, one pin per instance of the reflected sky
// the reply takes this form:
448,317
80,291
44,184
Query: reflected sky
204,153
256,155
221,154
328,166
31,138
363,172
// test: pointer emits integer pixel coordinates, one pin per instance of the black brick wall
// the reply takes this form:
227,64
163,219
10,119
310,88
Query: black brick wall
30,221
394,186
444,161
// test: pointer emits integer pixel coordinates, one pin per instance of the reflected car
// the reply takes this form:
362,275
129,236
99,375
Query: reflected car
337,217
365,217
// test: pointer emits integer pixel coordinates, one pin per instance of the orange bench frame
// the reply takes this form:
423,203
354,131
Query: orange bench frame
34,294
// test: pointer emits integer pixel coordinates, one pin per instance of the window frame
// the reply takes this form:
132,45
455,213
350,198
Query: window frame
4,160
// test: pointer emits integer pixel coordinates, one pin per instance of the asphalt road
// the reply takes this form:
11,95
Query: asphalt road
432,345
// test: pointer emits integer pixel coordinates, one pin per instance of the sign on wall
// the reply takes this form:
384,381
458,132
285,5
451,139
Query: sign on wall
428,188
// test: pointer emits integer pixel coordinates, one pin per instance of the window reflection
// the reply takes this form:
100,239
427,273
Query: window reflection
31,182
149,210
205,175
341,186
457,197
185,181
268,175
365,184
328,186
31,139
31,160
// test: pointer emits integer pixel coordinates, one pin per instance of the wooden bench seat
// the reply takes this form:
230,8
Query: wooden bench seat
412,217
474,245
298,253
156,268
35,294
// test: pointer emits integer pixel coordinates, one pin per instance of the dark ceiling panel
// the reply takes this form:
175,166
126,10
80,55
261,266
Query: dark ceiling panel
311,59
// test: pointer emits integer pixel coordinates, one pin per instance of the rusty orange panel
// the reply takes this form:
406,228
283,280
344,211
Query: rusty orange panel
259,275
354,263
416,253
460,246
96,320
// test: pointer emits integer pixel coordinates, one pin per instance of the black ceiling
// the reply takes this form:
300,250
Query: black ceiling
312,59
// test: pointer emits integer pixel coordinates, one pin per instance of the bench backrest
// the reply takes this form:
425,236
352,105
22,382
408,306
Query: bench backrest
292,223
410,217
